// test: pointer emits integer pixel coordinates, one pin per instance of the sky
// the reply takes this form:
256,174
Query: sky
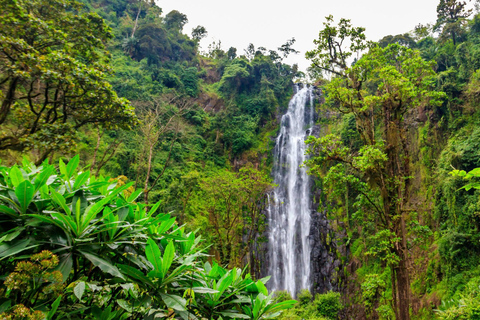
270,24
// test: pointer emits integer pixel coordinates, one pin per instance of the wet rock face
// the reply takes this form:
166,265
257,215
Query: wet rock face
323,254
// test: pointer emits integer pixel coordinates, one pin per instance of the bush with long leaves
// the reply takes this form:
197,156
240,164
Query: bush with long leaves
117,259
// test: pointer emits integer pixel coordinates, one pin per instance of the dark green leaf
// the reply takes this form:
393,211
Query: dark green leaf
65,266
55,305
173,301
104,265
7,250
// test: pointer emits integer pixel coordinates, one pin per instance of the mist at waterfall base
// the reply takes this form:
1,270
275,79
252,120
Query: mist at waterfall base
289,209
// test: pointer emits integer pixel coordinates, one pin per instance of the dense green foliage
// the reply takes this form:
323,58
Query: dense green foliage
440,229
120,83
53,65
112,257
323,307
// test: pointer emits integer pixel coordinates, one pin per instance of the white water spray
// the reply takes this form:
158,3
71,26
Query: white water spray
290,209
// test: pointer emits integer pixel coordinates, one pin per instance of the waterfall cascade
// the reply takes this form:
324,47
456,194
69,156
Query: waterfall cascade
289,212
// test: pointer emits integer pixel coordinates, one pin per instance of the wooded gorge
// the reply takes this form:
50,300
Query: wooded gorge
136,168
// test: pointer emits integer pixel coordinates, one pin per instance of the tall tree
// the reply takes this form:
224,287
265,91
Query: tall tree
159,120
199,32
175,20
231,205
451,17
379,90
53,68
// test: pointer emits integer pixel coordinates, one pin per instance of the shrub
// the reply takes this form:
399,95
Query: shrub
304,297
117,258
328,304
281,296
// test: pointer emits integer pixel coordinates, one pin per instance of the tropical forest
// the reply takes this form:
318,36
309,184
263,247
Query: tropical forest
144,175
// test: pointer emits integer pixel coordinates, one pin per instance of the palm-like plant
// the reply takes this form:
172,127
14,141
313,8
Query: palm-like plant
149,265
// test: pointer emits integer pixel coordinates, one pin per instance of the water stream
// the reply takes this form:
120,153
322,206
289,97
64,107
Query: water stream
289,212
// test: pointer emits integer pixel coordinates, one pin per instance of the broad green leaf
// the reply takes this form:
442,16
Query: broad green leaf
5,306
60,200
281,306
10,200
224,283
234,315
13,233
135,274
241,300
53,221
65,266
174,302
207,267
187,315
104,265
168,256
8,250
27,164
78,214
16,176
72,166
63,168
272,315
69,226
261,288
81,180
54,308
9,211
93,210
24,192
154,256
42,178
165,226
154,208
79,290
134,195
265,280
204,290
124,304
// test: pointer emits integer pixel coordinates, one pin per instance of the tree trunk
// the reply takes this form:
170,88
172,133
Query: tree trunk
8,101
403,288
149,169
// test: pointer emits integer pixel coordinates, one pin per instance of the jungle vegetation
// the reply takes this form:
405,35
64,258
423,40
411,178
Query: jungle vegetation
134,167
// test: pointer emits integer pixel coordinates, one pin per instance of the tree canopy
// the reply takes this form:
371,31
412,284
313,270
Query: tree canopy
53,65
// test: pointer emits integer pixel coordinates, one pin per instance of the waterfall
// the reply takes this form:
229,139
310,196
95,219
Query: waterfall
290,209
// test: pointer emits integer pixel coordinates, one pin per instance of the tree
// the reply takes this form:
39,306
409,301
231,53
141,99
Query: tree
286,48
53,69
199,33
151,42
250,51
336,45
175,20
451,17
232,204
380,91
402,39
159,120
